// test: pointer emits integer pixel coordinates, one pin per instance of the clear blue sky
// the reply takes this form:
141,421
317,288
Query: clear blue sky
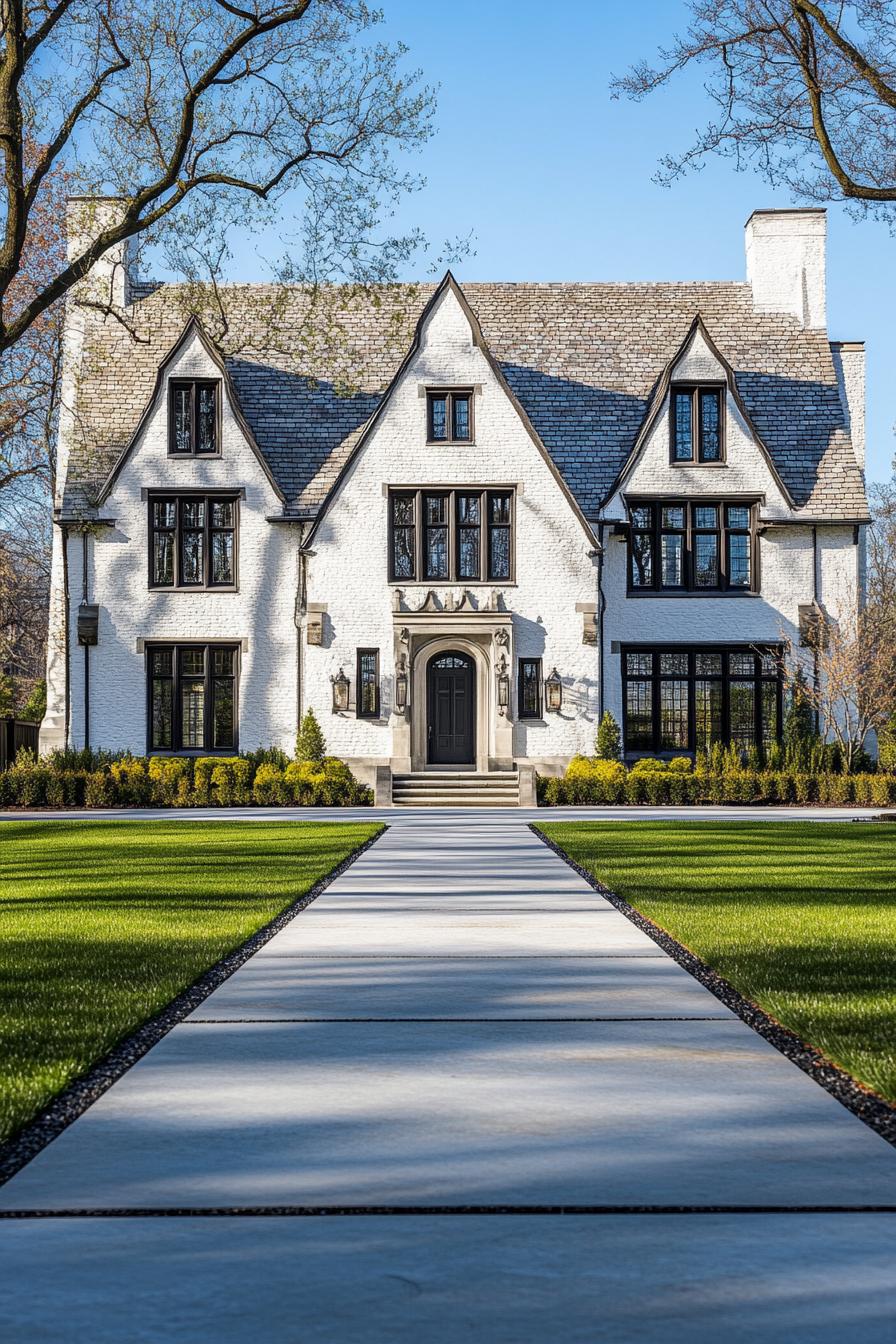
554,178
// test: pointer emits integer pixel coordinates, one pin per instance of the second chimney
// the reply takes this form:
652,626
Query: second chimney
786,263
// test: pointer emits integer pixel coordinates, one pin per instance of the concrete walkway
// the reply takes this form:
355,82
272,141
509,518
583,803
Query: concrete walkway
458,1040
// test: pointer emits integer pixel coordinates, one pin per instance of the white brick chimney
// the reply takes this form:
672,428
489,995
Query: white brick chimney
786,263
108,279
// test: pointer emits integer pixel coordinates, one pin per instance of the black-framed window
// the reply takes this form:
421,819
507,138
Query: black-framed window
192,697
456,536
697,420
193,417
193,541
449,415
678,698
368,684
695,546
529,689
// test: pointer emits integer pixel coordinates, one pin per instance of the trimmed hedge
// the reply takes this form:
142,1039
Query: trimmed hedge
590,782
265,778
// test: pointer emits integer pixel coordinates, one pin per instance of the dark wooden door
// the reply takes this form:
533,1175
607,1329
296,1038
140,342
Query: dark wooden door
452,710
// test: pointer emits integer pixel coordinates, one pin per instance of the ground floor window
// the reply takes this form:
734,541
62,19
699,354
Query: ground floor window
529,689
368,683
687,699
192,697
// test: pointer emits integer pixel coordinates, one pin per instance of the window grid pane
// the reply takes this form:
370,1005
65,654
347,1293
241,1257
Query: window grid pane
710,426
460,415
639,715
368,683
684,442
530,688
438,418
673,715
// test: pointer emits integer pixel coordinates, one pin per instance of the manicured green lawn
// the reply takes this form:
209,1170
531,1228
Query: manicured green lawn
103,922
800,917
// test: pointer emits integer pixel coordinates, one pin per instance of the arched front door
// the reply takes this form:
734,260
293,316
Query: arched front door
451,696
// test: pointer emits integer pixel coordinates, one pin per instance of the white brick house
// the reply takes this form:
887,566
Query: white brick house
458,523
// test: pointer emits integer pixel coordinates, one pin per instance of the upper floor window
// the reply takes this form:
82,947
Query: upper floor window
193,418
192,541
457,536
696,433
692,546
449,416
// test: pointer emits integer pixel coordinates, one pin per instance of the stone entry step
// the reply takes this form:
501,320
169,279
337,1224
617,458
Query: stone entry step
455,789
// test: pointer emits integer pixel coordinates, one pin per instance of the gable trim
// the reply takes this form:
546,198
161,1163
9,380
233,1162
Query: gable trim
661,391
193,328
448,283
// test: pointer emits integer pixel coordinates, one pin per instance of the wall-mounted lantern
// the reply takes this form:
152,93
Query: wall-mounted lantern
553,693
340,684
401,686
503,685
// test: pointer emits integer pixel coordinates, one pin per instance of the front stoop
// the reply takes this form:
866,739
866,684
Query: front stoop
451,789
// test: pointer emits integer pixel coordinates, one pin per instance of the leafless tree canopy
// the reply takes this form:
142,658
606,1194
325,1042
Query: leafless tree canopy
198,113
804,92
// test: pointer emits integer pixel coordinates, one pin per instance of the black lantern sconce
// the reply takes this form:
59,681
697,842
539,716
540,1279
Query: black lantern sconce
341,685
553,693
401,686
503,686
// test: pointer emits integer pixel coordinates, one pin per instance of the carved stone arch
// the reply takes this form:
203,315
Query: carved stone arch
477,648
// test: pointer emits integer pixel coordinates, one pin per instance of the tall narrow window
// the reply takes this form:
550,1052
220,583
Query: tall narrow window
706,546
499,524
469,536
642,547
404,544
672,546
449,416
529,688
696,424
683,426
193,418
368,684
674,701
639,701
192,697
739,547
708,700
435,536
193,542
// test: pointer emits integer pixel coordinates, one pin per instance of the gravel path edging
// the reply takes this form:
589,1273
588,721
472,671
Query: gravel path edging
82,1092
868,1106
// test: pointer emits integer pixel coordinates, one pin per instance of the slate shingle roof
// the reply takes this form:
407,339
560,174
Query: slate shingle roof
581,358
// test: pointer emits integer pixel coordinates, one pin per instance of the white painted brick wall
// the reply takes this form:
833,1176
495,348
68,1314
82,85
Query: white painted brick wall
261,612
349,571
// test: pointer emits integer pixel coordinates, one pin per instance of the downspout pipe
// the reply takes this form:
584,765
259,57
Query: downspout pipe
66,634
84,597
815,668
601,608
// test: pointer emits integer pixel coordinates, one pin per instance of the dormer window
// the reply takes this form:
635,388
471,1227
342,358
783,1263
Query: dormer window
193,418
696,430
449,416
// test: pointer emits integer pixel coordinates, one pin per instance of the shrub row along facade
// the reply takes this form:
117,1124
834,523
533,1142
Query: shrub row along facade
457,522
